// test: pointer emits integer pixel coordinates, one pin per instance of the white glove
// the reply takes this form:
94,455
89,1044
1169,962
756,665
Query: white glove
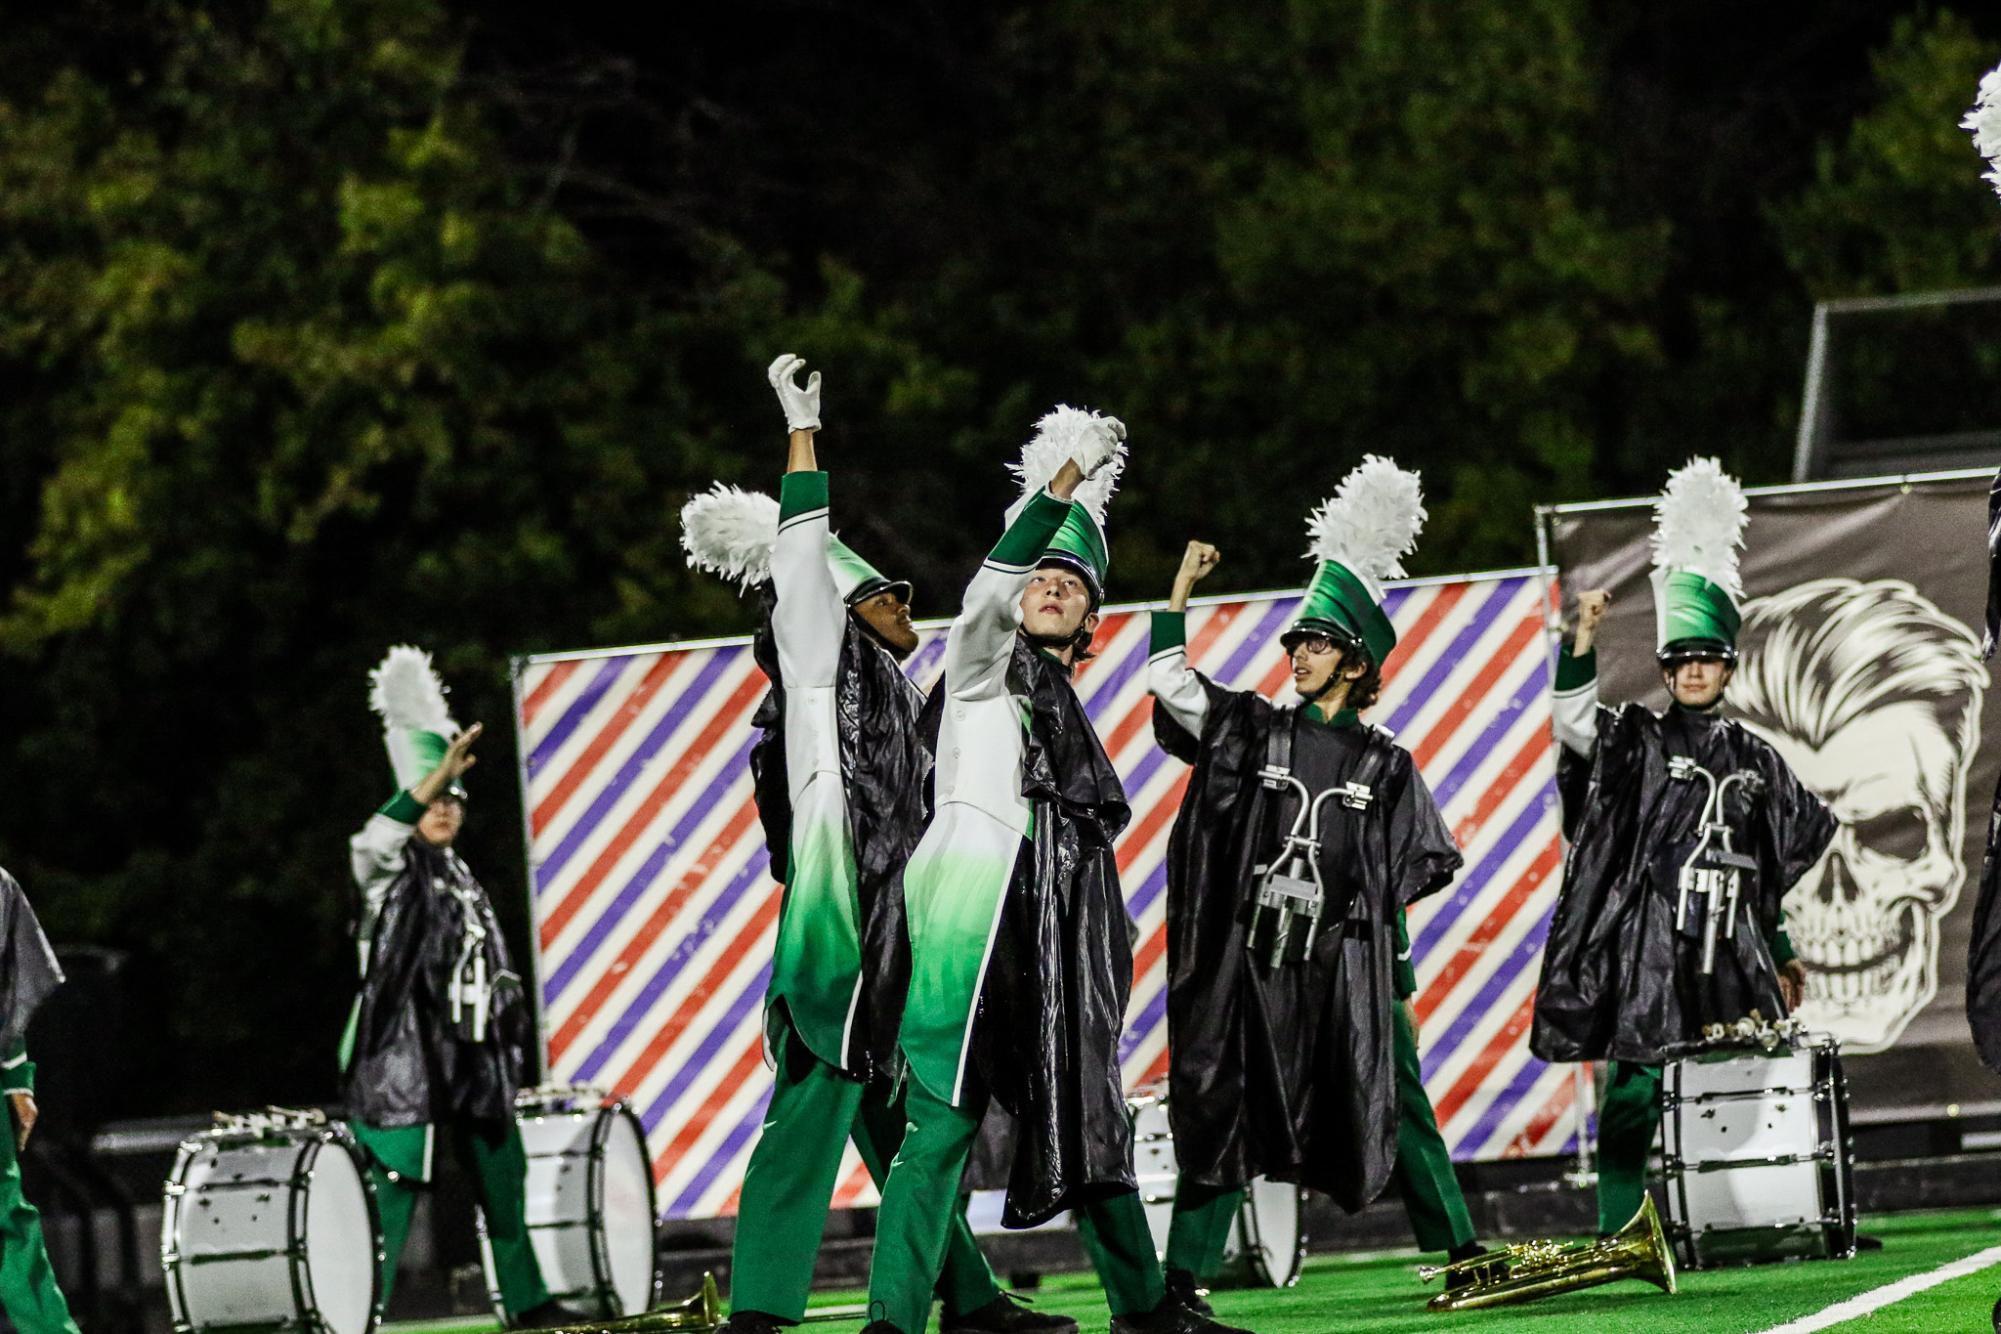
802,406
1105,442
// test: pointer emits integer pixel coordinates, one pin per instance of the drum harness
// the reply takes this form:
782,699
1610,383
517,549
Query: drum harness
1290,888
1714,871
469,993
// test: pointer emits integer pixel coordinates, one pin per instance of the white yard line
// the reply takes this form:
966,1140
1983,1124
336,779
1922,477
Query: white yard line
1878,1298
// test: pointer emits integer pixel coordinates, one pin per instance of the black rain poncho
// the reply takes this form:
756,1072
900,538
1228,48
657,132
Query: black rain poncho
29,972
409,1065
1618,981
1290,1073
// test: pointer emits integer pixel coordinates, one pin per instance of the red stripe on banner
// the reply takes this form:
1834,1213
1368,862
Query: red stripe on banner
1558,1106
749,1059
1139,835
1474,695
1150,951
749,939
1475,1074
720,724
552,681
649,931
1411,641
1518,767
1108,630
851,1190
1490,928
1155,1072
642,694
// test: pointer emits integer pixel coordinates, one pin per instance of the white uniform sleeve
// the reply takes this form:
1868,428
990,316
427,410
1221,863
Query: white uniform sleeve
1173,682
809,618
981,640
1575,705
376,857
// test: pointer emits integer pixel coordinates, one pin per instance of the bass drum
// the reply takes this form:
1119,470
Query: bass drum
589,1202
269,1221
1265,1244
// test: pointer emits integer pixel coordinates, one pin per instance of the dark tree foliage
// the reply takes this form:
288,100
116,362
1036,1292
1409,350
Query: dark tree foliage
327,324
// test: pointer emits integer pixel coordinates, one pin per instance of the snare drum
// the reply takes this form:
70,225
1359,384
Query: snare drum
1757,1156
589,1202
1265,1244
269,1220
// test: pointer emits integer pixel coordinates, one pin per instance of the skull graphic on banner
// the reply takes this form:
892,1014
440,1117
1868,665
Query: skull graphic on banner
1872,695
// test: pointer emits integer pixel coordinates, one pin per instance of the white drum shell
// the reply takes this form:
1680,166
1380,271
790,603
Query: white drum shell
1265,1243
1757,1156
589,1202
276,1229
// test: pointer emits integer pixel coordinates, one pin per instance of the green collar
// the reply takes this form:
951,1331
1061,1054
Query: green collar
1341,718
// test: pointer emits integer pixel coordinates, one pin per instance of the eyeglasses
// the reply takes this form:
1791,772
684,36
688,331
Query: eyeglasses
1313,644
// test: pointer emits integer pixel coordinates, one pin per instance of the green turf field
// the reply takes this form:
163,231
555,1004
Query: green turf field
1379,1293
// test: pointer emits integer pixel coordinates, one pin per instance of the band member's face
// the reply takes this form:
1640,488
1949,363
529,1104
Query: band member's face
439,824
1696,682
1315,660
889,617
1057,604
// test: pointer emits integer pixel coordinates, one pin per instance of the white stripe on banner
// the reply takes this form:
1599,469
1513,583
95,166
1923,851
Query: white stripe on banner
654,907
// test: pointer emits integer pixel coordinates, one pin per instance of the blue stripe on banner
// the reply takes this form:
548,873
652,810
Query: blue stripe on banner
1504,1102
927,661
1510,709
1149,1018
1150,887
699,1060
1525,955
686,949
1475,883
609,920
725,1154
1271,624
620,783
1142,772
559,731
1449,660
1106,682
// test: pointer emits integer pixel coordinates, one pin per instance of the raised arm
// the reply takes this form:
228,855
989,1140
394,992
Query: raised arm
982,638
1575,706
375,853
808,617
1168,675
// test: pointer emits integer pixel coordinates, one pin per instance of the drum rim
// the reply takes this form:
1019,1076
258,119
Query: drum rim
1254,1247
608,1114
309,1142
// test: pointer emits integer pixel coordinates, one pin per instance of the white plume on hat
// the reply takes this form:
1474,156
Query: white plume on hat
406,691
731,532
1984,120
1095,441
1372,520
1699,523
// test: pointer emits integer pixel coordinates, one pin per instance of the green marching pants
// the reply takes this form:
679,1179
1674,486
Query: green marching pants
1424,1178
921,1199
1424,1175
1628,1117
492,1158
789,1187
27,1284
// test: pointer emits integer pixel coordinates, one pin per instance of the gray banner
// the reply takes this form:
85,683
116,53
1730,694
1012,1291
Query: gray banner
1860,662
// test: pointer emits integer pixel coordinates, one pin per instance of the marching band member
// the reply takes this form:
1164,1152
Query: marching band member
28,1288
1020,958
1299,1061
1665,812
438,1029
840,774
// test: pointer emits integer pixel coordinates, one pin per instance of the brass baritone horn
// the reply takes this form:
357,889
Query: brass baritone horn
1538,1269
704,1310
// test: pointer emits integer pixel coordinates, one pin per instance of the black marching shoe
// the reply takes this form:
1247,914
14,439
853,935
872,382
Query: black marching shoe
1006,1314
1171,1317
750,1322
874,1327
1186,1289
551,1314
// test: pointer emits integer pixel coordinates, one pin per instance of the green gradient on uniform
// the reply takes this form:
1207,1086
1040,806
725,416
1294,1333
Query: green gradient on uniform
817,960
951,898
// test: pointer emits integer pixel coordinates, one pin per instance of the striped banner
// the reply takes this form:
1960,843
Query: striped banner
654,909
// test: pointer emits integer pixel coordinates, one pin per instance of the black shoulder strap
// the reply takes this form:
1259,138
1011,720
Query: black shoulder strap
1278,743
